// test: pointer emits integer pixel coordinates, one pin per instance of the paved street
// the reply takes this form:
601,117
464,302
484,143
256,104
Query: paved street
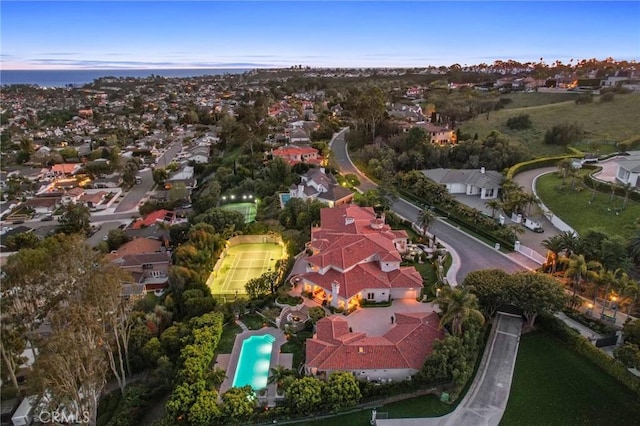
473,253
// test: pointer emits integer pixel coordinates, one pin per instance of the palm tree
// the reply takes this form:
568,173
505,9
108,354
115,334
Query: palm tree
494,205
579,270
554,246
279,375
458,306
633,247
564,166
627,189
570,242
631,289
425,219
217,376
529,199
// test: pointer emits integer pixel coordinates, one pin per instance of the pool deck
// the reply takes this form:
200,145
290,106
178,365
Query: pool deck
229,362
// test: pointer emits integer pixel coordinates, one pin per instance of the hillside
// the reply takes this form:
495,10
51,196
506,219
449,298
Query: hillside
602,122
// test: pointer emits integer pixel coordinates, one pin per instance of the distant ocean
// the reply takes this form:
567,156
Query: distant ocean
62,78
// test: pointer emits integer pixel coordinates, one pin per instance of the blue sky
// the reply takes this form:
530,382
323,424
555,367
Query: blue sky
242,34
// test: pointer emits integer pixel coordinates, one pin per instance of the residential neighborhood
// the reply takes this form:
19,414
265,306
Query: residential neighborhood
308,243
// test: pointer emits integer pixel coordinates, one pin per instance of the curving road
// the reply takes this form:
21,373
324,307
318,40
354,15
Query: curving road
474,254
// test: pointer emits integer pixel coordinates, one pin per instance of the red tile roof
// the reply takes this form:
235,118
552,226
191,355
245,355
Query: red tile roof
406,345
354,252
153,217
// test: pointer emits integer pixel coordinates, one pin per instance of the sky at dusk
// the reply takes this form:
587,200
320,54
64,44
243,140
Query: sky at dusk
242,34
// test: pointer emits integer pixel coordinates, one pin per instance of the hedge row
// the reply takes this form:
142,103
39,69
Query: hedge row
459,220
606,187
540,162
630,143
585,348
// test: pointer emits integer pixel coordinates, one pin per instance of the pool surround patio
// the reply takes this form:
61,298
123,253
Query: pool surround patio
229,362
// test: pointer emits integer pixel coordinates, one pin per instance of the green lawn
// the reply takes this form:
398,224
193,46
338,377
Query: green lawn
227,339
523,100
422,406
574,208
555,386
253,321
613,121
295,346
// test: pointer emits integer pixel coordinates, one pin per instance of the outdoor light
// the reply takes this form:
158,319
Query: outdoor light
224,197
233,197
244,197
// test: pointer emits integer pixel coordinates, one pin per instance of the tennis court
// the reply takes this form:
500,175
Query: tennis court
241,263
247,209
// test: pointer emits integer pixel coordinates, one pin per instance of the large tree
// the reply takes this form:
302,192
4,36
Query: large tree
74,219
341,391
535,294
489,287
305,395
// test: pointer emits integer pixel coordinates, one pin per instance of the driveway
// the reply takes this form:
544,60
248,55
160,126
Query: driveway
530,238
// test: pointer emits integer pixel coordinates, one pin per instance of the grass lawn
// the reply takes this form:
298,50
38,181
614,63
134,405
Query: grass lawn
573,207
612,121
296,347
253,321
524,100
227,339
554,386
428,405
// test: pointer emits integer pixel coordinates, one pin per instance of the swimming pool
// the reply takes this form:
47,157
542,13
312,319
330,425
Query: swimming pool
254,362
284,198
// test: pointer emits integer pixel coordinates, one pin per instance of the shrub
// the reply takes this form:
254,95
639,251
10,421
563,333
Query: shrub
607,97
519,122
563,134
585,98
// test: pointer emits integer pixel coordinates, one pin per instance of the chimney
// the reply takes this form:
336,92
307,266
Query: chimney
322,170
348,220
482,170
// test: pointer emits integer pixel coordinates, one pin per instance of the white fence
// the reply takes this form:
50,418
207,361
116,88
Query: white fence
529,252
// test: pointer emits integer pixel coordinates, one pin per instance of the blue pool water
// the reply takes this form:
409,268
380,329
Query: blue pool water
284,198
254,361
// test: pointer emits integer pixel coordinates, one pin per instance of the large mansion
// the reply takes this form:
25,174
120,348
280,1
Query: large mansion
355,255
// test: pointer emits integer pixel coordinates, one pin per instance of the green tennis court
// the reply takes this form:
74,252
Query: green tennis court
247,209
242,263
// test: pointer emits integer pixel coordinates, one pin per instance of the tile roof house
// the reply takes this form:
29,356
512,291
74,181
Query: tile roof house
354,255
394,356
316,184
298,135
67,169
438,135
298,154
485,183
147,262
152,218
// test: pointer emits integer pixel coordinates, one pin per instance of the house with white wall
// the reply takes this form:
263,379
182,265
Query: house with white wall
482,182
629,171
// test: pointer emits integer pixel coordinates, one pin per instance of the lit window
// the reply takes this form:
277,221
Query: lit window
360,350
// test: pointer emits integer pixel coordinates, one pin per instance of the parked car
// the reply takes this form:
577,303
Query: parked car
47,218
